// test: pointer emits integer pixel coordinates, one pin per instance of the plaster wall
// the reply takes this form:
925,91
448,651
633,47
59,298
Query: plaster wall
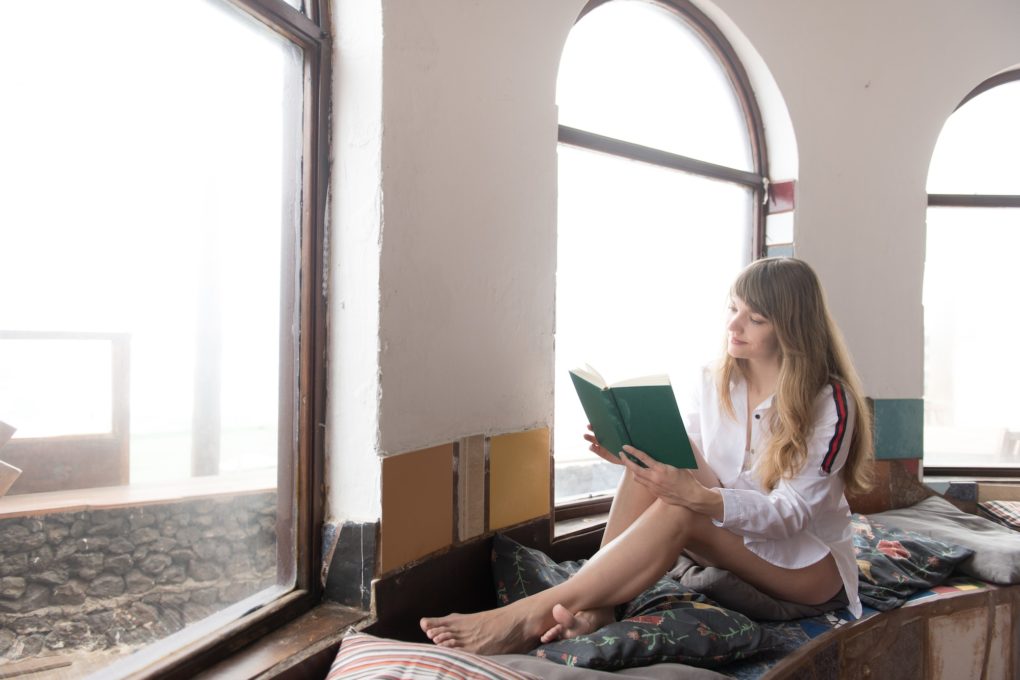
444,196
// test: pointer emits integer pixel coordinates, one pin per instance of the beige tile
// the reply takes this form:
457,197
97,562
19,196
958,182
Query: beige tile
998,492
417,505
956,644
999,662
471,487
519,477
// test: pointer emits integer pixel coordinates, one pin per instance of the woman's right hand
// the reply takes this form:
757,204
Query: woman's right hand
599,450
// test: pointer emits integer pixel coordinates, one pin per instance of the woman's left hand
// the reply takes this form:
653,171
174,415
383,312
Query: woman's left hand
674,486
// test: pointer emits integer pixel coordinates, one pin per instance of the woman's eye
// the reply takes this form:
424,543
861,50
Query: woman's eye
757,322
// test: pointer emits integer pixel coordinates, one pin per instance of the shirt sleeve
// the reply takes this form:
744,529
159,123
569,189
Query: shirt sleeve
788,508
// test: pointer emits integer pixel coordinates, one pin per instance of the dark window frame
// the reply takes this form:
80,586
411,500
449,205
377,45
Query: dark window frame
303,367
756,180
976,201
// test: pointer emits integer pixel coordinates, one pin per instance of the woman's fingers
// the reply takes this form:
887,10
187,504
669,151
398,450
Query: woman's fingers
640,455
599,450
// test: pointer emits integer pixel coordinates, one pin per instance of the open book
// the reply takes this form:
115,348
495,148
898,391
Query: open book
641,412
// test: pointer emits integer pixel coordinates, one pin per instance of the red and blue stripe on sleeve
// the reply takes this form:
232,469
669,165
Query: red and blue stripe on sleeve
836,443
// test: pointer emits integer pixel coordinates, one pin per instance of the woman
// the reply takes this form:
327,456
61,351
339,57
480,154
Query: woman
780,434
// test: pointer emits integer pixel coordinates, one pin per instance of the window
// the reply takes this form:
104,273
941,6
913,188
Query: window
661,169
971,412
161,221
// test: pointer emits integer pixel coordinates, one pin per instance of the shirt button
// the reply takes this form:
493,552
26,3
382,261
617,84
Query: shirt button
757,416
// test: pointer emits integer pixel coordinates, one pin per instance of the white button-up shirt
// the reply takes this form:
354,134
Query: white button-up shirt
803,519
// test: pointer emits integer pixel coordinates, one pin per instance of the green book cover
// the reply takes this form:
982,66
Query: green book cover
641,412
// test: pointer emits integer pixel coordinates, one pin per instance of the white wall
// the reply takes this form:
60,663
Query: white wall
452,190
868,86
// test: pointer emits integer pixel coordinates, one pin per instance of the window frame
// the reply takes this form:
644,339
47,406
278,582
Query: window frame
303,385
976,201
756,179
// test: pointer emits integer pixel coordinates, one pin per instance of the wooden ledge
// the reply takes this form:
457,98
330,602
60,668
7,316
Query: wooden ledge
303,648
103,498
894,643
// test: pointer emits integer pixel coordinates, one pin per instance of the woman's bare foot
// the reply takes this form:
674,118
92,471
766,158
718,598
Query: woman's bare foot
570,625
506,630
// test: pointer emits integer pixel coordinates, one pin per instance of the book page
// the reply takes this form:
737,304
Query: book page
661,379
590,375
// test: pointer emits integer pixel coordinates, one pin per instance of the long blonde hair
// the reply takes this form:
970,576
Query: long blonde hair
813,354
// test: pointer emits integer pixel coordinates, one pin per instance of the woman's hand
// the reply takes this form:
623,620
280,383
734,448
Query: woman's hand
601,451
672,485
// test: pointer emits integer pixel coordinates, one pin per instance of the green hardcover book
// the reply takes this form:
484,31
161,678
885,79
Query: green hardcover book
641,412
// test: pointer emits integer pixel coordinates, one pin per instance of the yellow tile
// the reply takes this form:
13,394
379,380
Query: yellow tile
417,505
519,478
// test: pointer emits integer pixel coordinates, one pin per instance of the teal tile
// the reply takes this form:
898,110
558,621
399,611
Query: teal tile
899,428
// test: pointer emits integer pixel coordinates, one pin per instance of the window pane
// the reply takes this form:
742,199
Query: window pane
646,257
972,413
53,387
978,148
150,190
635,71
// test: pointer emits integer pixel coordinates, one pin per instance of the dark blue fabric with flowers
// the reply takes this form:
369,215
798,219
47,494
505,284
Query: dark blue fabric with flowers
666,623
895,563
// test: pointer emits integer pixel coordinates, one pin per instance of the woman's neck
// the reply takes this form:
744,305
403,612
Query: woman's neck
762,377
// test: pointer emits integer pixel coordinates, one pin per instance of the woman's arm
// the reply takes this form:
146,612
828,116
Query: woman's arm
675,486
788,508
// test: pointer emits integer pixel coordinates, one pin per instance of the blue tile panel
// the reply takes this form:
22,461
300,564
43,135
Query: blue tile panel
899,428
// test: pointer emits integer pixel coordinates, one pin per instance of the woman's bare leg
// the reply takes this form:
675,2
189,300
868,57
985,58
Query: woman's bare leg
619,572
630,501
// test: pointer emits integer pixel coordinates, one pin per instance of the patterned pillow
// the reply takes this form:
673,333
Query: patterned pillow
518,571
895,563
366,656
666,623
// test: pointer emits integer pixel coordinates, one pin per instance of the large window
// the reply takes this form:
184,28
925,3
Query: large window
660,180
972,412
162,167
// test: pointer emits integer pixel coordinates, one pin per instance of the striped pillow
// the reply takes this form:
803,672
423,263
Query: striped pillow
366,656
1006,513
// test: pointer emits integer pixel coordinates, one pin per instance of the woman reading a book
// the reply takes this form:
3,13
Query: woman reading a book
780,433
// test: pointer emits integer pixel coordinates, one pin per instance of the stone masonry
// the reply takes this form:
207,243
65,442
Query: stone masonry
124,577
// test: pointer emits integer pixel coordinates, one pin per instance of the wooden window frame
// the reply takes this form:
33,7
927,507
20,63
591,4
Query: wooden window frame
976,201
303,386
756,179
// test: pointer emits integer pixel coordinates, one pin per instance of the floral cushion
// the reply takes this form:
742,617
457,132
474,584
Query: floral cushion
895,563
666,623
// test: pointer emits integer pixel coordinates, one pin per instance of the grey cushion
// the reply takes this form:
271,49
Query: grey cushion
734,593
552,671
996,549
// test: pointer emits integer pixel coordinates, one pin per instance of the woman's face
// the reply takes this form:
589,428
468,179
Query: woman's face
749,334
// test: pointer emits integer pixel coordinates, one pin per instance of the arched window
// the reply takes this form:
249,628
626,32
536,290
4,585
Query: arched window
972,409
661,167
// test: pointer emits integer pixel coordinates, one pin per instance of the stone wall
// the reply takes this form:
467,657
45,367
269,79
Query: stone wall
97,579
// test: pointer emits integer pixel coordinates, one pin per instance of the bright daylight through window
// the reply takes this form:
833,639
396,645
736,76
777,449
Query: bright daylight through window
972,411
150,217
645,251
